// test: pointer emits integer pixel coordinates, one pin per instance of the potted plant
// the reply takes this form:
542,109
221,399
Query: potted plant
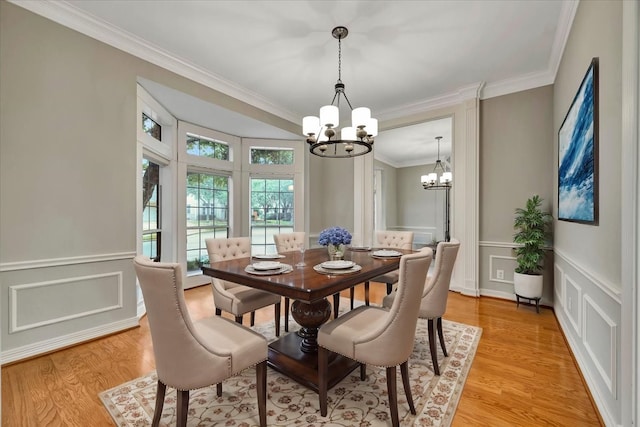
532,231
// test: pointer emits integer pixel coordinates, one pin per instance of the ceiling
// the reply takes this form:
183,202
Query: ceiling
400,57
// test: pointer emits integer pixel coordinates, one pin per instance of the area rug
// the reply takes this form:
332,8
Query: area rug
351,403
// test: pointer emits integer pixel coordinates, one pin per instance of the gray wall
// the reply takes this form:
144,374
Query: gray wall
409,206
516,162
587,258
68,181
420,210
331,195
389,192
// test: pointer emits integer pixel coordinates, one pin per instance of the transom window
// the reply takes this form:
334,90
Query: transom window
271,156
271,212
205,147
207,214
151,127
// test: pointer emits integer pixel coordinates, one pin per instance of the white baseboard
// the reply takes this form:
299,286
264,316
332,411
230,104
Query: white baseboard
57,343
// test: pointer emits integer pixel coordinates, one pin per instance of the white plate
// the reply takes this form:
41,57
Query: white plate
334,272
266,265
360,248
284,268
337,264
386,253
268,256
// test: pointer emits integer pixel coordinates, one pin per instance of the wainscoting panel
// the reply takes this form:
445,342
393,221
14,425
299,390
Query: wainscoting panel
37,304
559,283
497,264
572,306
504,264
50,304
589,313
600,341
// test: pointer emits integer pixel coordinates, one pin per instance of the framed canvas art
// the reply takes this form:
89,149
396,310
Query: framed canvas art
578,154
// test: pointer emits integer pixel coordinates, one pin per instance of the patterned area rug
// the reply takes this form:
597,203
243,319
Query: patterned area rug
351,403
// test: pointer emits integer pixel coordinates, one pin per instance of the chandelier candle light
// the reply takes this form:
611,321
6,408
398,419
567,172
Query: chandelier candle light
354,140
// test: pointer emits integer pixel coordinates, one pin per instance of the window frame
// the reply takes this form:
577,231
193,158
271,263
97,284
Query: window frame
201,164
229,219
274,171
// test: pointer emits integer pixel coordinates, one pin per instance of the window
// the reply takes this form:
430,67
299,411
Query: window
271,212
205,147
207,214
151,214
151,127
271,156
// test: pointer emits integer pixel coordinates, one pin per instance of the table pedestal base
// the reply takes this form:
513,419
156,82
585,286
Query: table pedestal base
287,357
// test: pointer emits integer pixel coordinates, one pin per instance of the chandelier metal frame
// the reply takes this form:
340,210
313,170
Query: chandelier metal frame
434,180
321,134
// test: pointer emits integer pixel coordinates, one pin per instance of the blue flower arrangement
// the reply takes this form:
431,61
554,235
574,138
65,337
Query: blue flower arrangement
334,236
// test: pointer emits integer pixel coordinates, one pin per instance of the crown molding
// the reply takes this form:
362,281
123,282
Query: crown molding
69,16
517,84
441,101
543,78
384,159
565,21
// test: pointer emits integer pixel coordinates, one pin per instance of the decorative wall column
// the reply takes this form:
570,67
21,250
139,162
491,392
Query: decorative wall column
363,210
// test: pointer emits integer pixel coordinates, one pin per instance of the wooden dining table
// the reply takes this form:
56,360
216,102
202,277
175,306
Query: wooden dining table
296,354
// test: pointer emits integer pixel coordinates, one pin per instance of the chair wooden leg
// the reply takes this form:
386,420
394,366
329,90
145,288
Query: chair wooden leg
389,288
239,319
363,371
261,382
219,389
441,337
276,316
286,314
218,312
404,370
336,305
366,293
432,347
160,392
253,317
183,408
323,362
393,395
352,293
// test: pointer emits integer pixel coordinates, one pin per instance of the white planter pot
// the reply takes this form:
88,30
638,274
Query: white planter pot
528,285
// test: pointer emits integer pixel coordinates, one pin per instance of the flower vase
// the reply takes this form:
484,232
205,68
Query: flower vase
335,251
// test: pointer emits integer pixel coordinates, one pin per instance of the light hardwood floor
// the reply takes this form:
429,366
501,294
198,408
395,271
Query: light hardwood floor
523,373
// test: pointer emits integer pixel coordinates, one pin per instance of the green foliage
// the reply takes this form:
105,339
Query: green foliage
272,200
532,226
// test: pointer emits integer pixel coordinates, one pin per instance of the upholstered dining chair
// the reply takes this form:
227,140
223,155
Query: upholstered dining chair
191,355
287,242
379,336
387,239
433,303
232,297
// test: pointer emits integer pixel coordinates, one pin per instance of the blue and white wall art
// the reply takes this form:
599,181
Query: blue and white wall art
578,154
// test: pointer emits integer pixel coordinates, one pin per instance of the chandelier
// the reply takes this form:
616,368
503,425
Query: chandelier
354,140
443,182
432,180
